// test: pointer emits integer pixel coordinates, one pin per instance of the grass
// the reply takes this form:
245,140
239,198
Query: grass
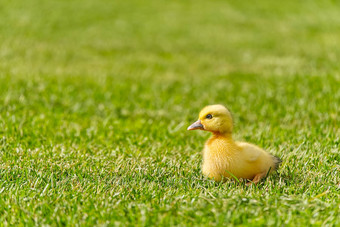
96,97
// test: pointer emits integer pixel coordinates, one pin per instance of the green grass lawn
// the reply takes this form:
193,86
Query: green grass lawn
96,96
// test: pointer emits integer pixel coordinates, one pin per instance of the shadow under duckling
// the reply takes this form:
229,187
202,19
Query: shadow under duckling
225,158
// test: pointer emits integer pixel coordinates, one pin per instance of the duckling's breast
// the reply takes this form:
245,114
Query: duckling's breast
218,158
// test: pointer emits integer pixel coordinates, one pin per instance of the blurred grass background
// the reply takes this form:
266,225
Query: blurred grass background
96,97
111,37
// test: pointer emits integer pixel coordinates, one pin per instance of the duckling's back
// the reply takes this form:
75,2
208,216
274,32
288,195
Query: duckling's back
257,160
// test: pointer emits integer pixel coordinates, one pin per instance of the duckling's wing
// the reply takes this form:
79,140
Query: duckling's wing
250,152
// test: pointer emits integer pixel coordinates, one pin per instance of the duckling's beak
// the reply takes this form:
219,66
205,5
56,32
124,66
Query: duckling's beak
196,125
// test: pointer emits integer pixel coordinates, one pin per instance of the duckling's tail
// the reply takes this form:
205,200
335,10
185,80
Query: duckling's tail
277,162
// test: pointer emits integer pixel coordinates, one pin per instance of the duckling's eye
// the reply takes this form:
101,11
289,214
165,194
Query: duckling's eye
209,116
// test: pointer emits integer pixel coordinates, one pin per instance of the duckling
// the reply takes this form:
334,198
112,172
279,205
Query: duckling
225,158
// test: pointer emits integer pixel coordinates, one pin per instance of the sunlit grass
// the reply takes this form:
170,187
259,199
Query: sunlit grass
95,99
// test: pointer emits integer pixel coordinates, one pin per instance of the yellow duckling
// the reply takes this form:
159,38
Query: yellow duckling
224,157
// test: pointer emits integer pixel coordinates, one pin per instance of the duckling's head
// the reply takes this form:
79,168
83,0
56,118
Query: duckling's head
214,118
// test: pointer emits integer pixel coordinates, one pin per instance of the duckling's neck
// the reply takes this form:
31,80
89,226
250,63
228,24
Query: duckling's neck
226,136
218,141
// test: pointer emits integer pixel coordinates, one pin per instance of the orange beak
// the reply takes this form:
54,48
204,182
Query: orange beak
196,125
